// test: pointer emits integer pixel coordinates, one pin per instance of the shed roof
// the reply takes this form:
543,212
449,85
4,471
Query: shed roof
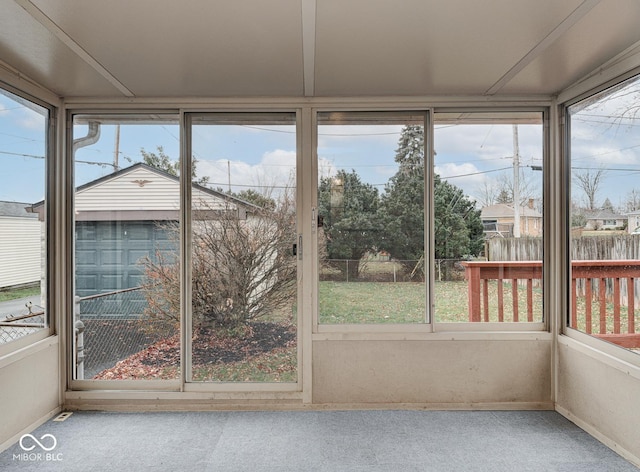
16,209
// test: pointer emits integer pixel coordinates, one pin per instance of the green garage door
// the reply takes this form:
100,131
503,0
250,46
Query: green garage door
108,259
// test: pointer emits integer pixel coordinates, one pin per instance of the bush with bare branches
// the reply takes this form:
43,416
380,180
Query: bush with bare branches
242,265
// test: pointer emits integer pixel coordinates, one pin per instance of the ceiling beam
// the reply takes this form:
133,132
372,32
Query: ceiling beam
574,17
309,46
54,29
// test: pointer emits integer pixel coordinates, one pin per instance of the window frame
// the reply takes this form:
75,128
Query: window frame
432,327
592,343
115,113
50,184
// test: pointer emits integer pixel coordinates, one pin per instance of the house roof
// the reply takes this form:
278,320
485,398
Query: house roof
504,210
119,174
312,48
16,209
604,214
138,165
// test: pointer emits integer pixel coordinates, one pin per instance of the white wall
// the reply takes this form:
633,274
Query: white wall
447,373
601,394
30,388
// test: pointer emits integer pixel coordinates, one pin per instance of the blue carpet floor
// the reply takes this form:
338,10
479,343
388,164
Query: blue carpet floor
312,441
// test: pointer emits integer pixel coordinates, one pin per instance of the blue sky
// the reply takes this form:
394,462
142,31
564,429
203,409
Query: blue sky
22,148
473,157
606,135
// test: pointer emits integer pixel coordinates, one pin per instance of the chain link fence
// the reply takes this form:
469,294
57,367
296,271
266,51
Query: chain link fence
15,326
113,328
381,269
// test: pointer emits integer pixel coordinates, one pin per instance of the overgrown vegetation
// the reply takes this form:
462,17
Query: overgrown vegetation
242,266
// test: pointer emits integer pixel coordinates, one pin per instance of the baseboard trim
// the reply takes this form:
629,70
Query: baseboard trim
590,429
39,422
168,403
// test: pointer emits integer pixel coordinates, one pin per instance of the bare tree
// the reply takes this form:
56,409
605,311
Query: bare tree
589,180
487,194
632,201
528,186
242,265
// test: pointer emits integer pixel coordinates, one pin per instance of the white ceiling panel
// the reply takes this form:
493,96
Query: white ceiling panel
298,48
26,46
416,47
194,48
613,25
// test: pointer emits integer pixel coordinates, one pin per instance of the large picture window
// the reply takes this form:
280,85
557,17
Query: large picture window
605,215
400,244
23,217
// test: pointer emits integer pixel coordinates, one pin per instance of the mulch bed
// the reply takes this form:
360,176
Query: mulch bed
161,359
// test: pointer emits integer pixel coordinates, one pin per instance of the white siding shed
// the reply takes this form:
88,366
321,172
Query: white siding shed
20,245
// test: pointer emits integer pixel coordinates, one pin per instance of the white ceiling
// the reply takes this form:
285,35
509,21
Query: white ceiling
296,48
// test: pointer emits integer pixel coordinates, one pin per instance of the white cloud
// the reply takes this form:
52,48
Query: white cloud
276,169
465,176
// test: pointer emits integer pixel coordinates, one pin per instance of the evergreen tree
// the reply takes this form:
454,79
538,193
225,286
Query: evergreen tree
349,210
402,207
457,224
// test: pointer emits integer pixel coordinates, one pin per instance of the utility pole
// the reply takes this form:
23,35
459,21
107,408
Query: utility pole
229,174
516,183
116,150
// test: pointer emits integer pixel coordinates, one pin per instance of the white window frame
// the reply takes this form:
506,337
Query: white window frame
8,349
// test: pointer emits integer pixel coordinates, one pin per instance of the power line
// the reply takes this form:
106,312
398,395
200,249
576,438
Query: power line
338,135
476,173
22,137
21,155
33,156
606,152
225,184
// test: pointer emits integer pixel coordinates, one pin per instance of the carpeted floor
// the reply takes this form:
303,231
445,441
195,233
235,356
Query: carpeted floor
507,441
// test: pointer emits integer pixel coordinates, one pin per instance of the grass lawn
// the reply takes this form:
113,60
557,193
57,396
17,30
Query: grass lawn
371,302
19,293
595,316
384,302
340,303
279,365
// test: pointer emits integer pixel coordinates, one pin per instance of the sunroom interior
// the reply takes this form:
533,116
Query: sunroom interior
348,154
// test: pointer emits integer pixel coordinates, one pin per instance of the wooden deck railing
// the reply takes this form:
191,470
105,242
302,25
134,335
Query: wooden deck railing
612,281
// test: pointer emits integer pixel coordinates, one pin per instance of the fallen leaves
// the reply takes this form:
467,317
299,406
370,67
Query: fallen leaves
266,353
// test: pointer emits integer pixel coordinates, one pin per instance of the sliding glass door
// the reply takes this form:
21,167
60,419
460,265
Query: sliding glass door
242,248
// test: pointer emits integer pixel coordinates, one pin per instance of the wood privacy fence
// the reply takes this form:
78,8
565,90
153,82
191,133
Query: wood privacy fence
585,248
604,247
611,322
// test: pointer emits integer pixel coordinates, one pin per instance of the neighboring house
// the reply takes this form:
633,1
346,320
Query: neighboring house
498,220
122,218
20,245
604,219
633,226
